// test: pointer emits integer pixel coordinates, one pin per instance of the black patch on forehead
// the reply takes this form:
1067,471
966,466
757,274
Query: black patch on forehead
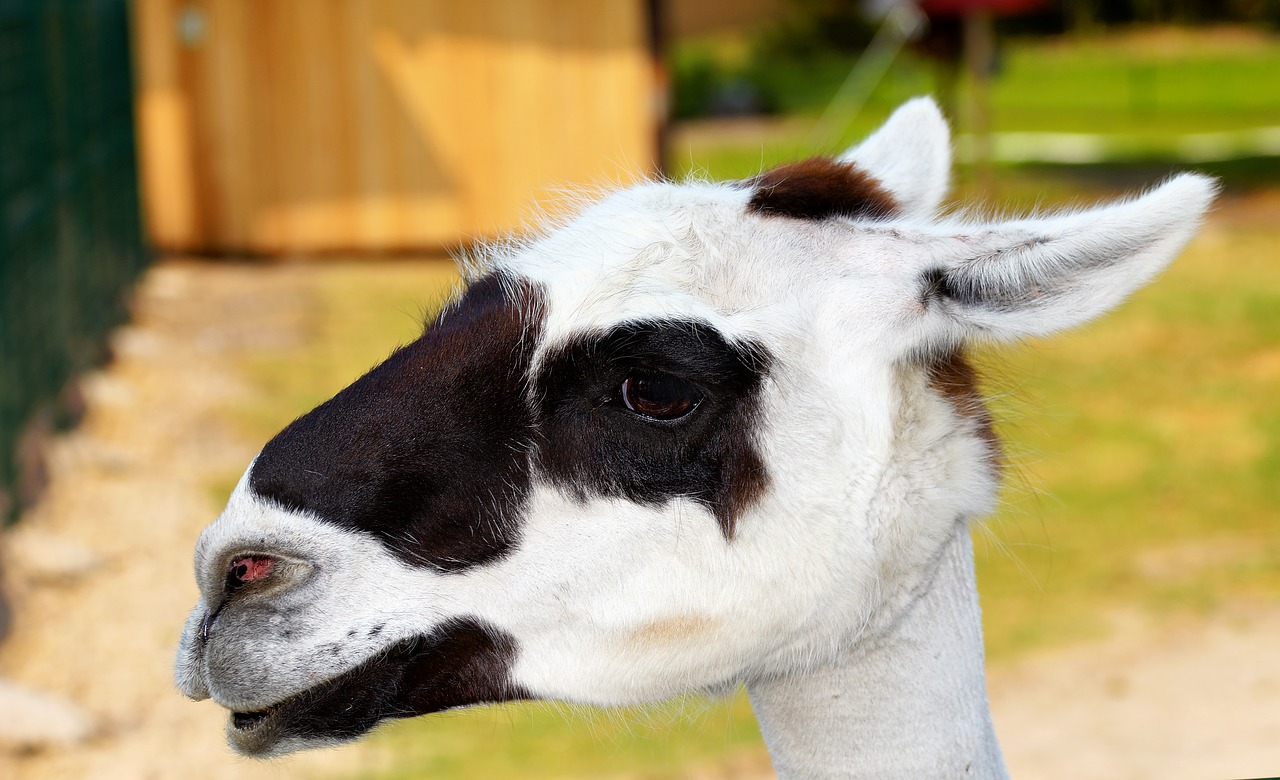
592,445
819,188
429,450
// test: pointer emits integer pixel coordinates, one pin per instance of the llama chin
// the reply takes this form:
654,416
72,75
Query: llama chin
699,434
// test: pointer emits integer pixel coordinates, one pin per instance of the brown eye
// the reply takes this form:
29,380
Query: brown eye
658,396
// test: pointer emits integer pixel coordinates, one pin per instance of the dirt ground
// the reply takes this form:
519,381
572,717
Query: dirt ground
130,488
130,492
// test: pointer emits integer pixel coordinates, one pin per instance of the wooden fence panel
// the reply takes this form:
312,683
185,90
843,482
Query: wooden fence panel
275,126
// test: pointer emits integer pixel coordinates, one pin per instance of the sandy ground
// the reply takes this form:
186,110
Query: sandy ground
131,490
131,485
1192,700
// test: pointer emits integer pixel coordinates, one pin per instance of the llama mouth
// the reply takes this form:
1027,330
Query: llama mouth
246,721
262,733
336,710
459,664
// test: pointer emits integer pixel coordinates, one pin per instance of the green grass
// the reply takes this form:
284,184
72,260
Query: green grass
1143,89
1170,82
544,741
1147,456
1144,449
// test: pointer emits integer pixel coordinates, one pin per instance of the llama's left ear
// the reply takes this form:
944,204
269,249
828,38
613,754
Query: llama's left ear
1033,277
910,155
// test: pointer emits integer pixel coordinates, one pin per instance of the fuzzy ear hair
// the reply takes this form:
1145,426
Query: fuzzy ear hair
910,155
1038,276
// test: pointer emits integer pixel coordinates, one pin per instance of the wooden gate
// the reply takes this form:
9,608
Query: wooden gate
280,126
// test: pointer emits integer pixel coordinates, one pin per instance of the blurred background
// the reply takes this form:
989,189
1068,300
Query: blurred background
214,214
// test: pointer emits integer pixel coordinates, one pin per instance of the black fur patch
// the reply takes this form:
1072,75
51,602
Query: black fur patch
592,444
935,284
429,450
460,664
819,188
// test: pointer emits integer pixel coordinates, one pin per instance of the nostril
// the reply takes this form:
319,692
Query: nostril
248,568
252,572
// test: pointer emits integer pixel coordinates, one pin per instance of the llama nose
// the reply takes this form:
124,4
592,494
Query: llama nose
247,574
242,570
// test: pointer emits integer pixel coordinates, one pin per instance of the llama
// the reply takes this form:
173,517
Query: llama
697,435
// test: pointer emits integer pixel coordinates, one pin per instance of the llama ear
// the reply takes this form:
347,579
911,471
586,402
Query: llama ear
1037,276
910,155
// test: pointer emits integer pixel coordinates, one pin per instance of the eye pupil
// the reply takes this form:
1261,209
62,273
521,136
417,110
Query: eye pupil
657,396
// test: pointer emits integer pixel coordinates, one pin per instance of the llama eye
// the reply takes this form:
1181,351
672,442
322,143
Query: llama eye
659,396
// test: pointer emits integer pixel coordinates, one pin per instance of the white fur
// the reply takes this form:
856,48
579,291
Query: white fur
910,155
873,474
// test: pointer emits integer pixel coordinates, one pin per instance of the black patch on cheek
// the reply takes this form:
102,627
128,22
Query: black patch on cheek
592,445
460,664
429,451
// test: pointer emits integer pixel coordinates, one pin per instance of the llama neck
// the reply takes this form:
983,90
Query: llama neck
911,704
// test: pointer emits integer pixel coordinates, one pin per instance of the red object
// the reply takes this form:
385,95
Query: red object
938,8
250,568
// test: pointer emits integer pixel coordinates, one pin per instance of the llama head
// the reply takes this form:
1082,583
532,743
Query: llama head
697,434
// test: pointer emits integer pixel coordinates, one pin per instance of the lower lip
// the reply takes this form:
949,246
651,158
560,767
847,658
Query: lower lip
256,734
